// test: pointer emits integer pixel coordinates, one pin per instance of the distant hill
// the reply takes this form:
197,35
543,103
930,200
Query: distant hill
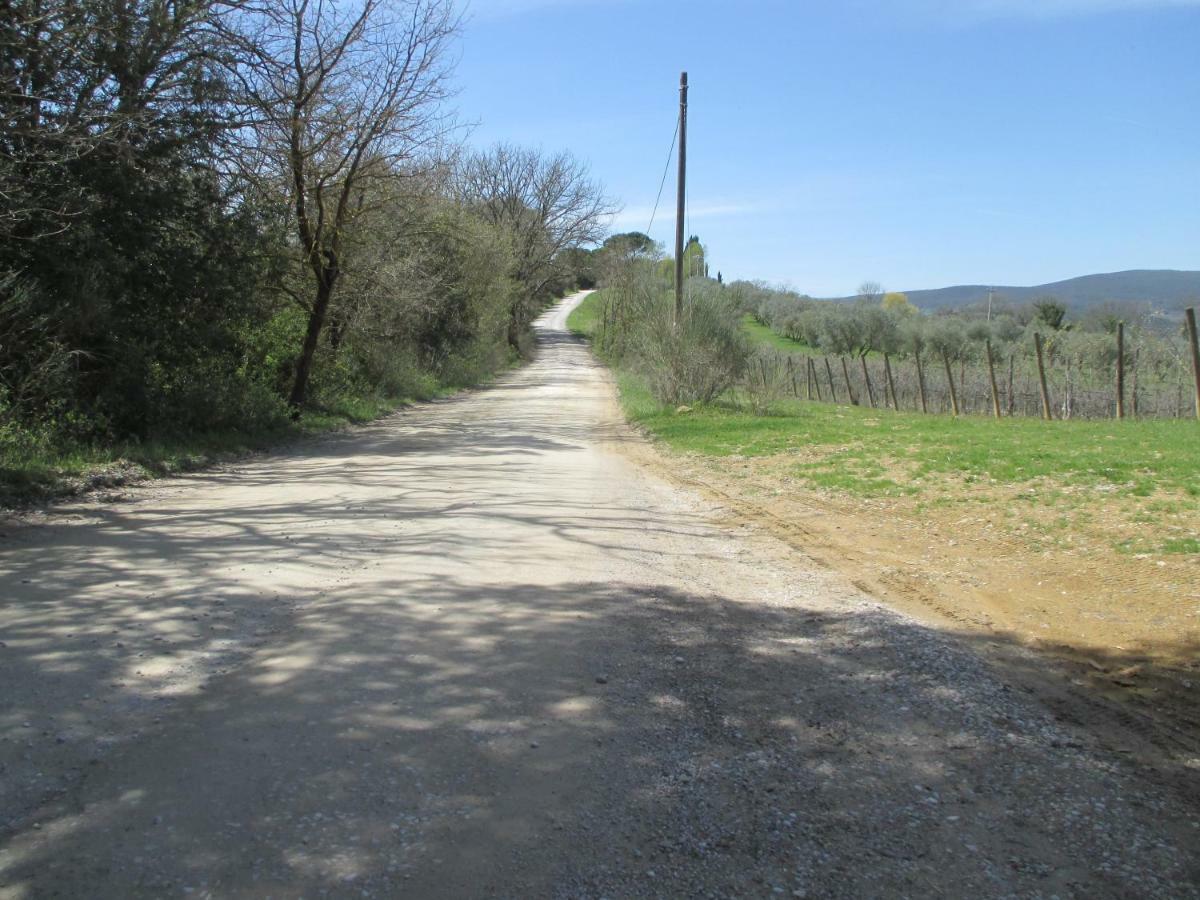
1164,288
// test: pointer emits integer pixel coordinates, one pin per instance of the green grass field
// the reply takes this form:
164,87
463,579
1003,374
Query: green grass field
761,334
857,446
871,452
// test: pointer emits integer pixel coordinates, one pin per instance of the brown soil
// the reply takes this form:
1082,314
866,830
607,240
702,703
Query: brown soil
1123,625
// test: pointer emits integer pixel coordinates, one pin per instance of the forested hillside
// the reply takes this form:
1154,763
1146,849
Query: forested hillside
1150,289
238,218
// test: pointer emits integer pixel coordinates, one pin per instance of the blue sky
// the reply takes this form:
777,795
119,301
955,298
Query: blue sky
918,143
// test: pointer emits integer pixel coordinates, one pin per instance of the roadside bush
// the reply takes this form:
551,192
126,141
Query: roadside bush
768,380
698,358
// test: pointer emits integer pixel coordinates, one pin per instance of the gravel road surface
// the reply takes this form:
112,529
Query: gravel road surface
474,650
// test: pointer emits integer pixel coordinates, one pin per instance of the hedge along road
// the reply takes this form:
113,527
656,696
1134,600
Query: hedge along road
474,650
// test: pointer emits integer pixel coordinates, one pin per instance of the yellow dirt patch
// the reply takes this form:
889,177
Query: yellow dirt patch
1006,561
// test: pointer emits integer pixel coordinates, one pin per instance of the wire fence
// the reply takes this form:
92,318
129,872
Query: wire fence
1011,386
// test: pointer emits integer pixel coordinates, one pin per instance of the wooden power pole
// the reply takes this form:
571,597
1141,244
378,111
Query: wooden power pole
680,198
1194,341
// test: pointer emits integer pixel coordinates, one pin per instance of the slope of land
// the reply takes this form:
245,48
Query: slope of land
1159,288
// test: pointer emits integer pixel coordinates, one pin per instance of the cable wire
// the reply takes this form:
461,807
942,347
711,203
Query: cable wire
666,169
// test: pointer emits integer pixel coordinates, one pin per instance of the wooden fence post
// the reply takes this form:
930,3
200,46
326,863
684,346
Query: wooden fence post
921,381
1134,386
887,370
867,380
1037,343
950,381
846,375
992,375
829,372
1120,370
1190,312
1012,395
816,379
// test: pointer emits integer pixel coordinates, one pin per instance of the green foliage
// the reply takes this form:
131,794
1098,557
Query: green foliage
634,243
852,442
694,359
694,265
690,359
153,293
1050,312
584,320
759,333
947,337
897,302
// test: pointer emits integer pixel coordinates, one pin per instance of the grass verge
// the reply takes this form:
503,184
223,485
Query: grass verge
852,448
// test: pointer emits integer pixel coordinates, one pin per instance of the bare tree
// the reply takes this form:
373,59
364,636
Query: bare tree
871,292
547,203
338,95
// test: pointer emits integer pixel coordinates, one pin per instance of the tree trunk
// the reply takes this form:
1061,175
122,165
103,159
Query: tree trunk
337,331
829,373
887,370
867,381
921,381
992,377
846,375
1041,364
514,333
950,381
316,321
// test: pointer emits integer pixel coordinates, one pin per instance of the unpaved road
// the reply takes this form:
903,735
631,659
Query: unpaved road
473,650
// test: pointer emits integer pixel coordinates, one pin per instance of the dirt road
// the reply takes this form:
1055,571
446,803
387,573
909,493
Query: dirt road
473,650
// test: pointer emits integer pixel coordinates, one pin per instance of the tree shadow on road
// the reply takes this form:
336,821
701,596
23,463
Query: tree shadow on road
457,739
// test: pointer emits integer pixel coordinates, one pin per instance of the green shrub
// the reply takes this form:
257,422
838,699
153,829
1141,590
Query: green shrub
696,359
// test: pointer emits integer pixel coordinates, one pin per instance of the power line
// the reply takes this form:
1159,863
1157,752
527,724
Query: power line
666,169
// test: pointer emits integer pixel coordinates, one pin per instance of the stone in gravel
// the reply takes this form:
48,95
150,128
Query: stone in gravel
534,744
601,679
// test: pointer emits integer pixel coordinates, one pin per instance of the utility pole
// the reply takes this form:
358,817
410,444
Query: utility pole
1190,314
682,193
